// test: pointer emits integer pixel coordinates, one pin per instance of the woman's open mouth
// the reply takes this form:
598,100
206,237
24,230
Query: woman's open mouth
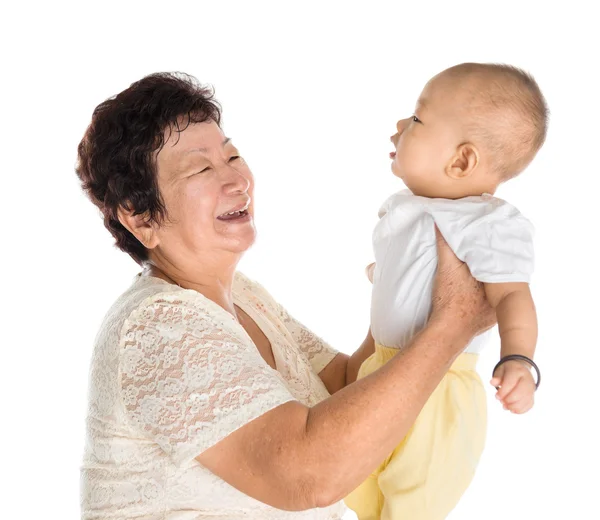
238,213
234,215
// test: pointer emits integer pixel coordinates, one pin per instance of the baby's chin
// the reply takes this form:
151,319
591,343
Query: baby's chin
396,171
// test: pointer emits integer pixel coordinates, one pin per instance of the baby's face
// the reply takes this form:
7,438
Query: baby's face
427,141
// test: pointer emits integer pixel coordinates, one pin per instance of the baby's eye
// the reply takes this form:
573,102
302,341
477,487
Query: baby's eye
233,158
416,119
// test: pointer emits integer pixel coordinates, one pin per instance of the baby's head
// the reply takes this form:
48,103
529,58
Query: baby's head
474,127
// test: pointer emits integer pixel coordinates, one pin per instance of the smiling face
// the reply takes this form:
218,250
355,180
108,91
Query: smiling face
207,189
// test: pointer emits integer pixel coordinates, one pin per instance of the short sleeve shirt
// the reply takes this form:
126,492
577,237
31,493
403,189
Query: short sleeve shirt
172,374
487,233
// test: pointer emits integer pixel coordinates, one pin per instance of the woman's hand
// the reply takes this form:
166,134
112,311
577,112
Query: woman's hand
459,301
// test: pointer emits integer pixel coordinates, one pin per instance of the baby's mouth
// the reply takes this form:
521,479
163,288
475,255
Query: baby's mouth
392,155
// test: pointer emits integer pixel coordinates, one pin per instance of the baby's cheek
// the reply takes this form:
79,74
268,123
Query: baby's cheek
422,159
409,161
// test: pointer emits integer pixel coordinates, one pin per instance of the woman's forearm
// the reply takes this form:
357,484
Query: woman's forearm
343,369
295,457
352,432
356,360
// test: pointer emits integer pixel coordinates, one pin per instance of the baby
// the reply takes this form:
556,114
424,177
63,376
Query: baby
475,126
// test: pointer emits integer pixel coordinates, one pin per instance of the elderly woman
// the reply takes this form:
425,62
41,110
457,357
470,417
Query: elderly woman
207,399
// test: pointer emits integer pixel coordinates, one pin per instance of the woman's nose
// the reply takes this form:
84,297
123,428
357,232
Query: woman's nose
234,181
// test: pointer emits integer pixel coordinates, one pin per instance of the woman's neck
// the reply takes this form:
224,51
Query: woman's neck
214,283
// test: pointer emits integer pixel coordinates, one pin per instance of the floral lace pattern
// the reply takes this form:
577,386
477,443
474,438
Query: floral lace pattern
172,374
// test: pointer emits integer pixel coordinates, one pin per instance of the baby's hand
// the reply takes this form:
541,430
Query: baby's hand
369,271
515,385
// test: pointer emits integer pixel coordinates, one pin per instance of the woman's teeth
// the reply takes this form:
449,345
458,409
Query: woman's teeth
234,214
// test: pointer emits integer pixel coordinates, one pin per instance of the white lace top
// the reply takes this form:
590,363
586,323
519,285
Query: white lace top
172,374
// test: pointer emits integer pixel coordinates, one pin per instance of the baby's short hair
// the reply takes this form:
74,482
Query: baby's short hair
508,115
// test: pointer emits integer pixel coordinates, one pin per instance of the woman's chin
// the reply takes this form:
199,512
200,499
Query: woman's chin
242,240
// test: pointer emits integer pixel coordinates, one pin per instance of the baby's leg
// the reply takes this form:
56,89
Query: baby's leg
431,469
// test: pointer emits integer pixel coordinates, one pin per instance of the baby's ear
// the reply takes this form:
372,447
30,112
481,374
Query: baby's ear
464,162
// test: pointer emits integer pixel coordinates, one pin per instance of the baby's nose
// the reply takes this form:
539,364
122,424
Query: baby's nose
402,124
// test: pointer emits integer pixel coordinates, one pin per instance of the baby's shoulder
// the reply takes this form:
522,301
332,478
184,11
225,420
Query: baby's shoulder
474,208
469,215
480,220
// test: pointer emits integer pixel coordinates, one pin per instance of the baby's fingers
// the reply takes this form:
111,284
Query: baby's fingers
369,270
496,380
507,384
521,405
523,391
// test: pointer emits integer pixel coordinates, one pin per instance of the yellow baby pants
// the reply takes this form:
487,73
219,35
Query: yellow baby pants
427,473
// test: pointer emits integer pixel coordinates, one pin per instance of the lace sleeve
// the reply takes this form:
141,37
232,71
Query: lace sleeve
319,353
190,375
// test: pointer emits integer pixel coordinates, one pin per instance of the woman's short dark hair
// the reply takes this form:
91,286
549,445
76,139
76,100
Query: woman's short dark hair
117,155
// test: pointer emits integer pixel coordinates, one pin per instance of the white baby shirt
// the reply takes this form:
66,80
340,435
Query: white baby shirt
485,232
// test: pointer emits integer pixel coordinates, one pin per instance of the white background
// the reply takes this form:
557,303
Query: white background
311,94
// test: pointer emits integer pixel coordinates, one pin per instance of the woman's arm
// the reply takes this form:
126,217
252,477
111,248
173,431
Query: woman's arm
356,360
343,369
296,458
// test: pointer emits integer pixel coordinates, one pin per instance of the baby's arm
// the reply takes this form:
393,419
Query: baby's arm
517,324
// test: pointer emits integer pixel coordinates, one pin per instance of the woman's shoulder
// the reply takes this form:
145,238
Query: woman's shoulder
162,302
143,290
155,302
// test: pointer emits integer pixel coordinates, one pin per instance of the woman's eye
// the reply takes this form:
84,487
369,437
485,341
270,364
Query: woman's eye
416,119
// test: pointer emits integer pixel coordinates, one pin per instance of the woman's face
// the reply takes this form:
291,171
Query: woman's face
207,189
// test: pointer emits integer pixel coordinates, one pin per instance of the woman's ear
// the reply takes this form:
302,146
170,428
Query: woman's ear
464,162
140,226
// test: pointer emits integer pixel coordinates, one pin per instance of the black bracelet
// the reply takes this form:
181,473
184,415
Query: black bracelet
522,358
